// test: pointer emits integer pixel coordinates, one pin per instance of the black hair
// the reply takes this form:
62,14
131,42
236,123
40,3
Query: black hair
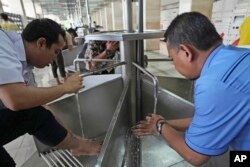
192,29
46,28
71,30
4,16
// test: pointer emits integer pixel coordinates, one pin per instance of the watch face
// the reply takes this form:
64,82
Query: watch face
159,127
108,52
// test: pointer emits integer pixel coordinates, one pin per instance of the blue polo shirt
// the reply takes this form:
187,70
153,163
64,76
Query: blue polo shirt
222,103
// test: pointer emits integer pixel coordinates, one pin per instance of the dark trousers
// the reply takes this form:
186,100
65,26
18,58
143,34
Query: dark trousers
36,121
5,158
58,63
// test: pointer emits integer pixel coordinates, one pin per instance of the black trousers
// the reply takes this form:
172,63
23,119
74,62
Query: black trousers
36,121
58,63
5,158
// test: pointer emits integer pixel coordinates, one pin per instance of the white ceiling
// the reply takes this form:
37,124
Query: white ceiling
69,7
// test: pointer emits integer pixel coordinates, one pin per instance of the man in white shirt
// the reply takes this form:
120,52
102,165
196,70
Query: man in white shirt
21,111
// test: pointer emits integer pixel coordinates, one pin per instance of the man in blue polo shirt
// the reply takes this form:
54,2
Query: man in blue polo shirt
20,100
222,92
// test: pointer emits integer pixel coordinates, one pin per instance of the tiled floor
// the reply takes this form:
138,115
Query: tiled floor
23,147
164,68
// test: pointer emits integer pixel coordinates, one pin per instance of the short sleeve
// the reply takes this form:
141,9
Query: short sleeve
10,66
219,116
89,50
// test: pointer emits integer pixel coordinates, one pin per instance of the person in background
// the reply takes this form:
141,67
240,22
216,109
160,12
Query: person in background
94,25
221,73
245,32
6,23
58,63
73,34
100,50
21,101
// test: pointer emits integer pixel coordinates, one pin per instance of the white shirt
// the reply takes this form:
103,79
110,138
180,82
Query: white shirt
13,64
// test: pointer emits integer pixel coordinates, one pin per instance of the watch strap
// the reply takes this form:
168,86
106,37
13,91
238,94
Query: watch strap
159,124
109,53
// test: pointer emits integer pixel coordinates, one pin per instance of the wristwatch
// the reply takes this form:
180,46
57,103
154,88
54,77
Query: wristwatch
108,52
159,124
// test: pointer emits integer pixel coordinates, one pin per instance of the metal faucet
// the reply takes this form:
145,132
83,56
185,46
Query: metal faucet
155,81
87,74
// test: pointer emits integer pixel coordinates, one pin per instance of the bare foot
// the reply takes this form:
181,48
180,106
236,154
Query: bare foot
87,147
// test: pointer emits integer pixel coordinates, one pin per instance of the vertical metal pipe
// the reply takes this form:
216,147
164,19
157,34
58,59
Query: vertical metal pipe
128,19
139,60
155,82
34,6
128,50
79,10
88,15
24,17
23,9
140,15
1,7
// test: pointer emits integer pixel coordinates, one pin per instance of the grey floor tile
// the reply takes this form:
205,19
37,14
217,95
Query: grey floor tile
15,144
20,156
23,154
35,161
30,151
28,141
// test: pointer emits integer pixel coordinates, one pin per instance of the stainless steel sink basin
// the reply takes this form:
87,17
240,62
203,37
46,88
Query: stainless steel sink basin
180,86
118,149
97,101
105,112
174,102
170,105
119,146
154,150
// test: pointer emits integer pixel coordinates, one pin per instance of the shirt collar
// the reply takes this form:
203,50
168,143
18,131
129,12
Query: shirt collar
210,58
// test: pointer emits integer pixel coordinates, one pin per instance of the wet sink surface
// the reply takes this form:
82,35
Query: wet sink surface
156,152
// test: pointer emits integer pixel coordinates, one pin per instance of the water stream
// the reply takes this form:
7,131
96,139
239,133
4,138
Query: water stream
79,113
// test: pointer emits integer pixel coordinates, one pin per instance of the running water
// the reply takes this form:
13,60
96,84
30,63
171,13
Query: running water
79,113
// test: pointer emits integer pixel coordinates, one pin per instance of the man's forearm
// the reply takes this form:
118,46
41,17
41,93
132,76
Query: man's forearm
102,55
19,96
177,142
180,124
99,56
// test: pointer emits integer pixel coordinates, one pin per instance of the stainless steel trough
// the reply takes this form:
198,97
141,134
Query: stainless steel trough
108,110
97,101
105,115
119,147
